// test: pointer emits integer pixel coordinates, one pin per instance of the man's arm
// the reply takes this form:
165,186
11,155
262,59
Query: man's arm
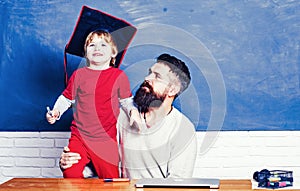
182,164
68,158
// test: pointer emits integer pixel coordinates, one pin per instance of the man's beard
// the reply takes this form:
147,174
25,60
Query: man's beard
144,99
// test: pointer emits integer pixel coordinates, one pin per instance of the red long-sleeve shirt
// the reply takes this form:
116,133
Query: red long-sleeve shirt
96,94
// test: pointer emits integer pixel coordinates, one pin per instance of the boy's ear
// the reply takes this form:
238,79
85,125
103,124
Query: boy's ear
114,55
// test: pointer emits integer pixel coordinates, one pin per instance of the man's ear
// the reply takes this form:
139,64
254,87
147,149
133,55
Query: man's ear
173,90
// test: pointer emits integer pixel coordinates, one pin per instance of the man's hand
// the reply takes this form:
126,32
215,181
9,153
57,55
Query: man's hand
68,158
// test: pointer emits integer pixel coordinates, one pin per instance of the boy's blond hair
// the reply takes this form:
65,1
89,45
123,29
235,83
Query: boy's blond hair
108,38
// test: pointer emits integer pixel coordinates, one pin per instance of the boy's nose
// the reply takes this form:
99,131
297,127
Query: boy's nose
97,47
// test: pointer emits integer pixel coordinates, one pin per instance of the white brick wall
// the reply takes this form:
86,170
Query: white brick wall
228,154
31,154
237,154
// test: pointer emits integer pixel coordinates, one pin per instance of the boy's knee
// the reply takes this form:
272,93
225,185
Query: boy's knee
73,173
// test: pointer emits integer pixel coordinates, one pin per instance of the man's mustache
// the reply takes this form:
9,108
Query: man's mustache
147,85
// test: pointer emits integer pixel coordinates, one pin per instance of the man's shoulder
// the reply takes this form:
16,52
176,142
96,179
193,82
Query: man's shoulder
183,123
178,115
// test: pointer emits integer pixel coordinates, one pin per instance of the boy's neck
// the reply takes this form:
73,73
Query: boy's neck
99,66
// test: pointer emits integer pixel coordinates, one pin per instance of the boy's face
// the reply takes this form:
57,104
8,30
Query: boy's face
99,52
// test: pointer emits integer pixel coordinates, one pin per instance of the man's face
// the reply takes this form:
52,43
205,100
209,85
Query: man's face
154,89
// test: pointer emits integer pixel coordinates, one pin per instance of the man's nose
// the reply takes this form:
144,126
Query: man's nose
148,80
149,77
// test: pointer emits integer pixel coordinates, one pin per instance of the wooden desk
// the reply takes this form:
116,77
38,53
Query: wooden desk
45,184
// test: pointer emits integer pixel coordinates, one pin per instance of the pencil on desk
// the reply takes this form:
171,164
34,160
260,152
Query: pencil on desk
116,179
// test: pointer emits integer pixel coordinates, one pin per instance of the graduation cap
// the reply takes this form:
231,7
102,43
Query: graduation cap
91,20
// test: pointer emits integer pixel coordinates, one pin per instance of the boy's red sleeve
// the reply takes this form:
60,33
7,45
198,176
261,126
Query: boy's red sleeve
124,86
69,91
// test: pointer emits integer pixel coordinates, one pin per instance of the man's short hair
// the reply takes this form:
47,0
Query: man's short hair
179,68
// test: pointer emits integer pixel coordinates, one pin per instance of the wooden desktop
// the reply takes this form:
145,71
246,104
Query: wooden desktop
45,184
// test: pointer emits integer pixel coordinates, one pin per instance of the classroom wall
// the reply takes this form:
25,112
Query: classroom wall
232,154
244,58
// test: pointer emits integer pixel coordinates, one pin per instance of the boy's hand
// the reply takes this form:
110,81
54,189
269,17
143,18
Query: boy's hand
136,119
52,116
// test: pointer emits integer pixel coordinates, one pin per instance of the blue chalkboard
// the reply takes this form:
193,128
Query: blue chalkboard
244,57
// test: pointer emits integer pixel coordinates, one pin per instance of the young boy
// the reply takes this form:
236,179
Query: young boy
95,92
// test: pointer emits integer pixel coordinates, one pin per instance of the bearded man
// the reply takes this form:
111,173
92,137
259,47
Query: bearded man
163,143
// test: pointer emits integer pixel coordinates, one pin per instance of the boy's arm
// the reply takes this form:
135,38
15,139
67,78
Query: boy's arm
127,104
62,104
131,111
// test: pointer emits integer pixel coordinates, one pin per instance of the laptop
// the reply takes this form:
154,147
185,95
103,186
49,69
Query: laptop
178,183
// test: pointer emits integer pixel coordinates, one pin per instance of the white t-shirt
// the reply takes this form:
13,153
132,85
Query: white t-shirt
167,149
